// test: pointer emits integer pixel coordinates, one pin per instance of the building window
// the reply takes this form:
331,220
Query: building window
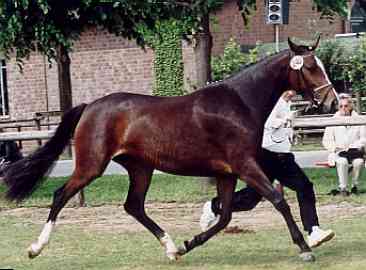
4,103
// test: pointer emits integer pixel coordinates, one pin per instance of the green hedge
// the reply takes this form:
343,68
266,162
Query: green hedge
168,63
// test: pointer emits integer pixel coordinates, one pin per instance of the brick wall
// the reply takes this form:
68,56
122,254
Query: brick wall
101,63
304,22
26,89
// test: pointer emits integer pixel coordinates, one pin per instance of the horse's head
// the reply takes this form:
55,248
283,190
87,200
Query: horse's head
308,77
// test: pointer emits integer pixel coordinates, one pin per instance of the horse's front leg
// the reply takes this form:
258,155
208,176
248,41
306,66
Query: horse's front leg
225,189
253,175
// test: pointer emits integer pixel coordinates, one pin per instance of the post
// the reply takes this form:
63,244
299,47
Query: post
38,125
277,37
19,129
358,101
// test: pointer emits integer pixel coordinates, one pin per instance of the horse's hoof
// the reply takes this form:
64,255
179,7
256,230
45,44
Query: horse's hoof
173,256
307,256
181,251
33,252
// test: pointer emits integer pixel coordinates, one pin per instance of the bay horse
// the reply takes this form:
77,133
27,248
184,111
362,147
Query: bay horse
215,131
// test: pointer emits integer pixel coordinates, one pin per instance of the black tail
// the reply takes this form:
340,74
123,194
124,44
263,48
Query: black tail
25,175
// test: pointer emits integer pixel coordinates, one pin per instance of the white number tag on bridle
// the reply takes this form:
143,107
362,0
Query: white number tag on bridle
297,62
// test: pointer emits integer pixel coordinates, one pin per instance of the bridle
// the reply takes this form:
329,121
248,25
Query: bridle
322,86
314,92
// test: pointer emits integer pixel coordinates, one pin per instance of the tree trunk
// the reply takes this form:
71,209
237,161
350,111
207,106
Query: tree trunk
64,79
64,82
65,90
202,51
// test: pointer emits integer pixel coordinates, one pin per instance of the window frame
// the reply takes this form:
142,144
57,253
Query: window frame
4,100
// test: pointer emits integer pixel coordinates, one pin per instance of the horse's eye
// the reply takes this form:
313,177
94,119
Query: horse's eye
311,66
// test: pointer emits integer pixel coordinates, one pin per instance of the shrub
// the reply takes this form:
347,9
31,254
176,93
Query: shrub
231,60
356,68
334,57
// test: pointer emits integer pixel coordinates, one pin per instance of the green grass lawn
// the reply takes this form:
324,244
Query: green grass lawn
113,190
73,247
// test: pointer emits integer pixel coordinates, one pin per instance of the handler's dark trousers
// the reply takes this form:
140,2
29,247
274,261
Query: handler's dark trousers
280,166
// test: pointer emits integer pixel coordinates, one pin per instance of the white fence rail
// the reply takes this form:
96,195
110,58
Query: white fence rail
317,122
26,135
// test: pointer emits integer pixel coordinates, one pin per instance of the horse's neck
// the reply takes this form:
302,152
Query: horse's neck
261,86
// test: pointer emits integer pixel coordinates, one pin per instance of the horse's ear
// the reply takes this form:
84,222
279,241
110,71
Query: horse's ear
316,43
293,47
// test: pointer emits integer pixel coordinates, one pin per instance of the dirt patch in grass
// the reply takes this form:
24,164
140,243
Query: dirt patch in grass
177,217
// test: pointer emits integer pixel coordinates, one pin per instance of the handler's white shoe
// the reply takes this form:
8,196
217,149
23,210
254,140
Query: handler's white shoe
319,236
208,217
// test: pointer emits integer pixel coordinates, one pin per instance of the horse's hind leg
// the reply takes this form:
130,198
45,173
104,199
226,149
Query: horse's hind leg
225,190
79,179
140,178
254,176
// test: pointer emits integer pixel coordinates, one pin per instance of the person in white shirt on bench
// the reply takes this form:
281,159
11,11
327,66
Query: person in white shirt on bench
346,146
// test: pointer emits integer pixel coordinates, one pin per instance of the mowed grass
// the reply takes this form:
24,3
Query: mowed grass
169,188
113,189
74,248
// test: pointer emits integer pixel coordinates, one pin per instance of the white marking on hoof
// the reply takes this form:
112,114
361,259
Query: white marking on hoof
170,249
35,249
307,256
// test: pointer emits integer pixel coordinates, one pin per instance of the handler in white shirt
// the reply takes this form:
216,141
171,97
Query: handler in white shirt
276,135
346,145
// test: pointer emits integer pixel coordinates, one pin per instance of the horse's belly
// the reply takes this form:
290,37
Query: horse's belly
191,166
187,171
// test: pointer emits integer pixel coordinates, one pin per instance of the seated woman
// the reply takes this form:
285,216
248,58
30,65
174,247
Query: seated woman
346,146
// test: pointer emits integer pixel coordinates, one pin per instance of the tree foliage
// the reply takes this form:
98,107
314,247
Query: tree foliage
44,25
330,8
356,68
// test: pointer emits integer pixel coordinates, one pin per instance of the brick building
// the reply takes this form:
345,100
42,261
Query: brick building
102,63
